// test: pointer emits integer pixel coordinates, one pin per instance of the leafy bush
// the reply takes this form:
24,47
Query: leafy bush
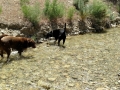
53,10
118,7
111,14
81,6
77,2
98,9
32,13
70,13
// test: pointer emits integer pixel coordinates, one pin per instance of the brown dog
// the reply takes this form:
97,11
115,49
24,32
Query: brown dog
1,36
18,43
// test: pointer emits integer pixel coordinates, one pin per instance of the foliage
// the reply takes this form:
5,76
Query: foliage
32,13
53,10
76,3
98,9
22,2
118,7
70,13
111,14
81,6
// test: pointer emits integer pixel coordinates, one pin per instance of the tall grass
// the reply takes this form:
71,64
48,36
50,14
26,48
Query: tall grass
32,13
22,2
111,14
53,10
70,13
118,7
98,9
81,6
77,5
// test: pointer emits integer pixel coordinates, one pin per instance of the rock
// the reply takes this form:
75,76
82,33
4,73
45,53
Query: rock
71,84
19,35
113,25
15,26
102,88
51,38
117,20
34,88
51,79
3,77
44,84
51,42
2,25
27,31
14,52
119,81
66,66
65,74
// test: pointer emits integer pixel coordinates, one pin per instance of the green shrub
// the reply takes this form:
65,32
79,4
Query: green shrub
22,2
110,14
76,3
98,9
70,13
118,7
53,10
32,13
81,6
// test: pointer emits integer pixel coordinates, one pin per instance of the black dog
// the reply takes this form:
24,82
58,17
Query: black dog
58,34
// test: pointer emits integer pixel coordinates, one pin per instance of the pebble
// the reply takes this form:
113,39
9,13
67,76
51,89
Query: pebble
119,81
102,88
3,77
71,84
44,84
51,79
66,66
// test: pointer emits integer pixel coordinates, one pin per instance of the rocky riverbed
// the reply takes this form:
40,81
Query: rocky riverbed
88,62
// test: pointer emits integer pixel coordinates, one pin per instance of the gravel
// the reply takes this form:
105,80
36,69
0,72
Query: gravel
88,62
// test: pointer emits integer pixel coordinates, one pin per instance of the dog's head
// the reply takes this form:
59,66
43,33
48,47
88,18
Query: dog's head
31,43
49,34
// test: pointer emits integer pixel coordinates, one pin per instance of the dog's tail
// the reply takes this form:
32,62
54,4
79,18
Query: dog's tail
65,28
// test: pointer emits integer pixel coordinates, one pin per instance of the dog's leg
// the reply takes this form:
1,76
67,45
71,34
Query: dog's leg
20,53
59,42
8,51
64,41
55,40
1,53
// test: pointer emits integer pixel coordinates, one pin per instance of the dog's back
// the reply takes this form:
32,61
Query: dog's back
17,42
